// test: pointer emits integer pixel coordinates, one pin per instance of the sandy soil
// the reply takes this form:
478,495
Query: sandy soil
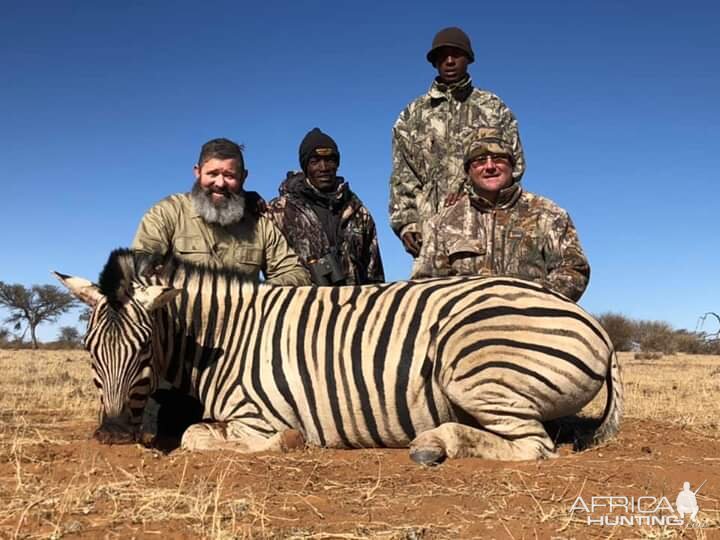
56,482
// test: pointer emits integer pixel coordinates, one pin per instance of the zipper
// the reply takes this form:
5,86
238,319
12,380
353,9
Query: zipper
492,241
448,150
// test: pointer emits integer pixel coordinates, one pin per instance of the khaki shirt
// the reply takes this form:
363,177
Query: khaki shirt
523,235
251,246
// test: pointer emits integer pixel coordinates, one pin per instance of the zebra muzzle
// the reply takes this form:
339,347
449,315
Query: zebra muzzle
113,433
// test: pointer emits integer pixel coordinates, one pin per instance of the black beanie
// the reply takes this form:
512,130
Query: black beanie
314,140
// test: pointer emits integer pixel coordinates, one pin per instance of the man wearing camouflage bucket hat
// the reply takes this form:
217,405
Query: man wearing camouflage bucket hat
497,228
429,135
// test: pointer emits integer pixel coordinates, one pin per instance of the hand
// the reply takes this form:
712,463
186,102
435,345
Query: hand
452,198
412,242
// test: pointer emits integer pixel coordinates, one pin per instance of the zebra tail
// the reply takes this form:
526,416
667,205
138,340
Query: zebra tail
614,408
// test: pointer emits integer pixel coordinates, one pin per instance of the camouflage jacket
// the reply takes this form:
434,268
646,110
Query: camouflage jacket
429,139
252,246
522,235
356,238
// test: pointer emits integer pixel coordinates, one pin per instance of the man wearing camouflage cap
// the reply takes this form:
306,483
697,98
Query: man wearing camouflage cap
325,223
497,228
429,137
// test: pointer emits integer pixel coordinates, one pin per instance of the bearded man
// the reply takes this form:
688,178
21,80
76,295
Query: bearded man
217,223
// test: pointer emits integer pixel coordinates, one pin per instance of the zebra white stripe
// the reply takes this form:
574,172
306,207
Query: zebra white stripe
450,367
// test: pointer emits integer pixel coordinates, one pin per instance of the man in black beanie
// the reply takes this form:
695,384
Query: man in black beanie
430,135
324,222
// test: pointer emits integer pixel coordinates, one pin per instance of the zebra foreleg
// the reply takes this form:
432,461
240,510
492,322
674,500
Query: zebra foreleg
455,440
237,437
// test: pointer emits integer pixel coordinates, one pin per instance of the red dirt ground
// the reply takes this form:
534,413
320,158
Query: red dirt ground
69,486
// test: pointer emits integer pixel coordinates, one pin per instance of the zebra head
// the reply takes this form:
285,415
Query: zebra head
119,339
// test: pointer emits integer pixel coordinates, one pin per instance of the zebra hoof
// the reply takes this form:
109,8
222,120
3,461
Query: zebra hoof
292,439
148,440
114,436
428,457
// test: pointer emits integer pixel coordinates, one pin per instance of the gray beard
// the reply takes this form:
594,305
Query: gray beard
230,210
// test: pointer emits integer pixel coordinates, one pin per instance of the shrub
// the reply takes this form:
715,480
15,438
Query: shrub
689,342
620,328
648,355
656,336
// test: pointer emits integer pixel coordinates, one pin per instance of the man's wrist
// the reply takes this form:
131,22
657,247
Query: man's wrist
409,228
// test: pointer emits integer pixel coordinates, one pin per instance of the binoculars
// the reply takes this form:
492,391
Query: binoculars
327,270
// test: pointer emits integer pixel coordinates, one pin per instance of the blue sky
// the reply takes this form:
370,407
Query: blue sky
105,106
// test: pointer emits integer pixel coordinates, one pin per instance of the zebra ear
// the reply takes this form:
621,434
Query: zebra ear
155,296
81,288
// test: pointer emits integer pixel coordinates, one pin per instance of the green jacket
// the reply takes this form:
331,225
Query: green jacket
522,235
429,142
251,246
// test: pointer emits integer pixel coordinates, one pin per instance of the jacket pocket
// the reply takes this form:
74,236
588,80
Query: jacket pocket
249,256
524,255
192,248
466,256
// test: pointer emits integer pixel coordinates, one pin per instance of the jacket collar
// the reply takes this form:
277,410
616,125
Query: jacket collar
460,90
297,185
506,198
191,208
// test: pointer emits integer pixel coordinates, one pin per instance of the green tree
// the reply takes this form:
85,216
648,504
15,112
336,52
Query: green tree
34,305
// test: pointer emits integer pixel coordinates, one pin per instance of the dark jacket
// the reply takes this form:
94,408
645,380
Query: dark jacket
317,224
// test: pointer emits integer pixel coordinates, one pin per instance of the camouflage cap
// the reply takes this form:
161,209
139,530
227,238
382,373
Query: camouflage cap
487,141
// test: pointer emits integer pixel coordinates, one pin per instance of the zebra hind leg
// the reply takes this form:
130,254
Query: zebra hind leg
236,437
493,422
454,440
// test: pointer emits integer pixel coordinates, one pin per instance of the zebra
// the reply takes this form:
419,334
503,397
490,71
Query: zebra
449,367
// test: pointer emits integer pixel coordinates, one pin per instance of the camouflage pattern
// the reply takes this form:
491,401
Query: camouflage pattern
252,246
487,141
523,235
429,142
358,247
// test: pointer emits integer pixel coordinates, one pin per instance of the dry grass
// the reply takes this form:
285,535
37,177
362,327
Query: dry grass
55,483
680,389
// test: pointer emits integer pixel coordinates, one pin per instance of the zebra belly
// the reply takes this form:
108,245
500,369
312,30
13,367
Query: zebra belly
340,420
361,433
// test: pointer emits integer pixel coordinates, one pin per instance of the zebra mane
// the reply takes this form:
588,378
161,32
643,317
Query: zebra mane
121,269
126,265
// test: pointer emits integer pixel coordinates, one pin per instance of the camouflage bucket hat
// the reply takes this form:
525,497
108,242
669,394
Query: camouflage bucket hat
487,141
